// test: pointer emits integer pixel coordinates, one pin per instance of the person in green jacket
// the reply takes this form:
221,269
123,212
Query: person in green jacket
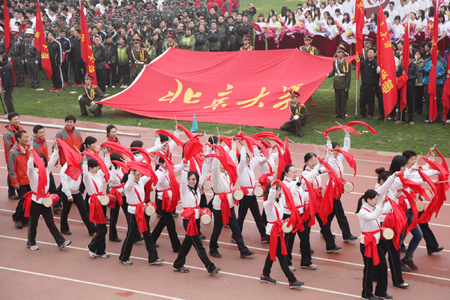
188,40
201,39
150,48
418,101
123,58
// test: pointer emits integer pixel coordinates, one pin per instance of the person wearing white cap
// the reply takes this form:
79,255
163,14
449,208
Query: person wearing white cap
32,57
17,53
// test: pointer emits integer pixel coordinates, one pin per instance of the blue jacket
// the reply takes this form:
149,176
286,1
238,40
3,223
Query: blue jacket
440,73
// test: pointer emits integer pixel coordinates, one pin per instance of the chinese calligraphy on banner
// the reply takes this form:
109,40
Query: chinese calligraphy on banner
247,87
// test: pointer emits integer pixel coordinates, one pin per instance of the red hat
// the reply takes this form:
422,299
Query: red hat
294,93
89,76
247,37
340,50
368,40
307,37
171,35
137,41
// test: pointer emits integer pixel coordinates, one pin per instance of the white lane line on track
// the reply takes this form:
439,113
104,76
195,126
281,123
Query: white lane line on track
87,282
169,263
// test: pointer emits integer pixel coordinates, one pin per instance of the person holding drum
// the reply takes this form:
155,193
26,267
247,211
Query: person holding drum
37,207
247,182
335,159
314,170
190,199
135,194
89,145
274,234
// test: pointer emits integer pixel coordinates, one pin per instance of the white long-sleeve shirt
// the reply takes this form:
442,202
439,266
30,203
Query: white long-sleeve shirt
298,195
368,219
273,210
266,165
191,197
69,186
131,191
220,182
33,175
246,175
164,180
94,182
336,163
158,145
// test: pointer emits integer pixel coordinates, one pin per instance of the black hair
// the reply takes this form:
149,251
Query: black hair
369,194
37,128
137,144
213,140
161,160
70,118
334,145
240,157
409,153
163,138
92,163
19,134
422,13
382,174
190,173
88,141
397,162
286,169
12,115
109,128
125,176
44,159
116,156
307,157
267,189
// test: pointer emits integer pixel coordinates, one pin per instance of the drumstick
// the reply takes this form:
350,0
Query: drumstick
175,119
318,154
218,132
318,131
77,149
338,123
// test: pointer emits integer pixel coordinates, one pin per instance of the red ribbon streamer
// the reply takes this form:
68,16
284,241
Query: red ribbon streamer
73,160
101,163
349,158
344,127
363,124
119,149
171,135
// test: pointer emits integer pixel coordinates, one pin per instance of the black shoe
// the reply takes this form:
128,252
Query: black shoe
439,249
403,248
350,239
175,214
387,297
369,117
66,232
92,233
83,115
19,225
14,197
202,237
311,251
248,253
141,238
117,240
107,220
215,254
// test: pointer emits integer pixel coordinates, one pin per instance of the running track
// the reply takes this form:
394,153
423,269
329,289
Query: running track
72,274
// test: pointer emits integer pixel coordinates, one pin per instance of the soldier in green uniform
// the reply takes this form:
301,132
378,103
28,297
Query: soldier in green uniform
202,9
92,94
308,47
170,41
150,47
139,58
17,53
32,57
342,72
298,116
247,45
367,46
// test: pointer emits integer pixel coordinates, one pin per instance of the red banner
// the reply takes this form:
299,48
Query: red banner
403,100
385,57
245,87
359,39
432,80
41,44
86,47
6,27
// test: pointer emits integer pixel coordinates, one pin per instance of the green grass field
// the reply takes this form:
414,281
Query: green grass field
391,137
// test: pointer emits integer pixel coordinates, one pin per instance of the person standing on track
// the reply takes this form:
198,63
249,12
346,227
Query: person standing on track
71,135
9,140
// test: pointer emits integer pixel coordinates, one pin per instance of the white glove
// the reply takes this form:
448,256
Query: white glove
295,117
26,61
92,103
36,62
22,61
79,97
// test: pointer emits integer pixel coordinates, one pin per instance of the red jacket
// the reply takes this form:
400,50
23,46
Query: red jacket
17,165
72,138
9,138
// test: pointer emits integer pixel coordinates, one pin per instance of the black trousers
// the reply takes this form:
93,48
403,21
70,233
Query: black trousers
9,99
305,247
410,105
124,72
428,236
166,220
338,211
132,235
218,225
67,205
19,216
282,259
326,232
203,201
11,190
114,216
112,75
195,241
19,69
418,99
367,99
101,78
79,70
292,125
394,261
250,202
65,67
46,212
382,280
98,243
379,95
341,102
57,79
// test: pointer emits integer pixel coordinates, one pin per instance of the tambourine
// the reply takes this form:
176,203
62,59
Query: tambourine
207,185
387,233
205,216
51,200
348,186
107,200
258,191
150,209
285,227
238,195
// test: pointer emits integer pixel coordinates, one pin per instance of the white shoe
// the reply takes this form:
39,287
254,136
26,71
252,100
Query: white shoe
106,86
125,86
310,267
65,244
6,116
34,248
106,255
113,86
92,254
122,86
448,121
292,268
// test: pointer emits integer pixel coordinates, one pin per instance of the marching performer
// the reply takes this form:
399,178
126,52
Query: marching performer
116,189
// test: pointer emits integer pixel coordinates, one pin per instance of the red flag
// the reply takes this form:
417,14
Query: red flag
432,78
86,47
403,101
359,20
446,95
41,44
387,64
7,27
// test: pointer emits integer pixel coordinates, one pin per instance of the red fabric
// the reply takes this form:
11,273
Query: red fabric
412,203
171,135
42,179
264,180
225,208
349,158
174,185
140,214
415,187
39,42
122,165
434,57
74,141
86,47
385,58
276,232
196,86
227,163
396,220
281,162
27,203
189,213
119,149
402,86
333,191
363,124
403,101
295,218
192,148
96,214
188,134
43,149
311,208
7,26
226,140
144,154
251,141
114,191
21,167
9,127
287,154
359,38
445,166
271,136
370,244
100,162
446,94
146,170
345,127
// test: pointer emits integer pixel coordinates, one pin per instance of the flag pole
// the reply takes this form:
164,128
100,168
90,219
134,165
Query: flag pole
356,93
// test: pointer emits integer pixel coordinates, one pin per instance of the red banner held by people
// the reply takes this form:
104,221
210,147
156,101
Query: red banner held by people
387,65
403,100
41,44
86,47
432,80
359,21
245,87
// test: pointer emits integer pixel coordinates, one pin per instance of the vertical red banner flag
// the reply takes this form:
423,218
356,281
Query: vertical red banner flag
41,44
386,62
86,47
432,106
359,20
6,27
403,101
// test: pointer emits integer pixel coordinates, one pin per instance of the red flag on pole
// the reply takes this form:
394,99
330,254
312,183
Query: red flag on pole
86,47
359,39
6,27
432,80
41,44
387,64
403,101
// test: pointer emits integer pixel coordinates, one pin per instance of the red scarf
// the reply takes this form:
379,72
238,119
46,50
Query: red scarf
174,185
96,214
189,213
276,232
139,214
349,158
